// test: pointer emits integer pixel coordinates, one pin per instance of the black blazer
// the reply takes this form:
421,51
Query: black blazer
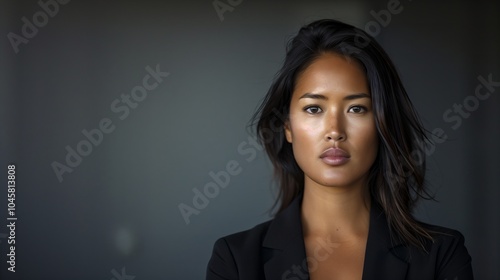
275,250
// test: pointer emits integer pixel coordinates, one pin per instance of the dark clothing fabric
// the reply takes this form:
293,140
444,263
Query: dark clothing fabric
275,250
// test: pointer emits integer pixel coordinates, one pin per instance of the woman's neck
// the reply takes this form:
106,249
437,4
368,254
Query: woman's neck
342,214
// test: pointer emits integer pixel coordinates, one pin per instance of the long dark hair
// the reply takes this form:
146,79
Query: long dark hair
396,179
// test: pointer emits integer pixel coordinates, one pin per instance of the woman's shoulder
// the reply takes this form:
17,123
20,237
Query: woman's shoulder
242,247
446,251
444,236
246,238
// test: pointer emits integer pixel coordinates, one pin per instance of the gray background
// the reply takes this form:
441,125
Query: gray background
119,207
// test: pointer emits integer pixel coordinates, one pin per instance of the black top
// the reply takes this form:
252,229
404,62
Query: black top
275,250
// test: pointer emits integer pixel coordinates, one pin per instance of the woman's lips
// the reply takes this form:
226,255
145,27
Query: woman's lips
335,156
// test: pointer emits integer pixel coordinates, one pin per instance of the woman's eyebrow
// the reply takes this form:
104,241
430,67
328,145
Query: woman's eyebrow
314,96
322,97
356,96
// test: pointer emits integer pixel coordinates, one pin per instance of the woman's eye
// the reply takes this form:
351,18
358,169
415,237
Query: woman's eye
313,110
357,109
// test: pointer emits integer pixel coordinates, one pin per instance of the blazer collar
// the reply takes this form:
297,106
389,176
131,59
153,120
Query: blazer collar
284,253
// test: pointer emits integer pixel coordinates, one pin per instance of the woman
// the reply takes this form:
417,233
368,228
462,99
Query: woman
347,148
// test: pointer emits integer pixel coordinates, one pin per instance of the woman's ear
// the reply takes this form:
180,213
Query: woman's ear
288,131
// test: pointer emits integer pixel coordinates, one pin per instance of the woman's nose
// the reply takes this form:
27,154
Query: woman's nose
334,130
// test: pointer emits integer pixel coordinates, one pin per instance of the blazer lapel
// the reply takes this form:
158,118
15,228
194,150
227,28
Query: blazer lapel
386,257
284,249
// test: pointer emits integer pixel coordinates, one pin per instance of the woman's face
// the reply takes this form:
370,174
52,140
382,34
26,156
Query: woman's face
331,124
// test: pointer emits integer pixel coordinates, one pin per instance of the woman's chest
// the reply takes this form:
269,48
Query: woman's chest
327,260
